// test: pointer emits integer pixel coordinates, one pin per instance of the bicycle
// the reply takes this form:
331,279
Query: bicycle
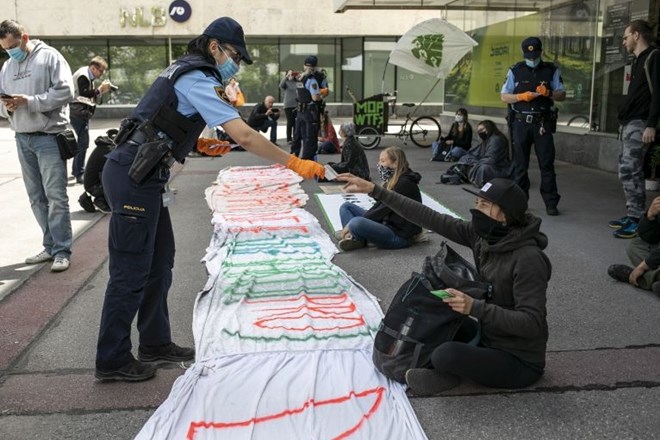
423,130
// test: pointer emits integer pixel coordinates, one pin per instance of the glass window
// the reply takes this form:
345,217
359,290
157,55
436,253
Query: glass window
378,77
351,67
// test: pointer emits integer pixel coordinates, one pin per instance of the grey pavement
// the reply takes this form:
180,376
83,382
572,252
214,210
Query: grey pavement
602,378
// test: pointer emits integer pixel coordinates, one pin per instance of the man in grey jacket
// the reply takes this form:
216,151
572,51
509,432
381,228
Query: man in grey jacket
36,87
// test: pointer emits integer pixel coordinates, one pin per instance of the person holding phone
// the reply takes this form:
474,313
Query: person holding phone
37,108
507,245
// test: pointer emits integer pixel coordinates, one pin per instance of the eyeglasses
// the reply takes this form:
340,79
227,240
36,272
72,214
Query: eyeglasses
625,37
99,70
232,54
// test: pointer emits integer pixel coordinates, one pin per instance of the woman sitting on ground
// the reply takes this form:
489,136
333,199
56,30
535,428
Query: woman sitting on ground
353,159
487,160
507,246
459,138
380,225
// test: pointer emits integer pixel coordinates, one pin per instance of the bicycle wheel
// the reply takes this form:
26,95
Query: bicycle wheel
579,121
368,138
424,131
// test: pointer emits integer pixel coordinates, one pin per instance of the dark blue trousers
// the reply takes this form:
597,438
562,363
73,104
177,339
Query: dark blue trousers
524,135
306,131
81,127
141,251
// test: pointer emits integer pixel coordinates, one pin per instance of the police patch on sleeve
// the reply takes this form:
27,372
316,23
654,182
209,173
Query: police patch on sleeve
220,91
315,86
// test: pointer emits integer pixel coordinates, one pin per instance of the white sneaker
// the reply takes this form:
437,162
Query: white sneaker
60,264
41,257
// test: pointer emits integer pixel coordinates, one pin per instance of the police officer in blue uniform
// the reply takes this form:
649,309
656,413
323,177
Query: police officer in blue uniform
531,88
310,106
163,128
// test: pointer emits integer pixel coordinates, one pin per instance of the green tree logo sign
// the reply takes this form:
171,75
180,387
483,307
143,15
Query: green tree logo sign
428,48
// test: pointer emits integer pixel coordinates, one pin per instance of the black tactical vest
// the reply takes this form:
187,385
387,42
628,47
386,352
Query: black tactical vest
527,79
160,103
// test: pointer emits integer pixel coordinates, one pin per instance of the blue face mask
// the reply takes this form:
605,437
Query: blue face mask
532,63
228,69
17,53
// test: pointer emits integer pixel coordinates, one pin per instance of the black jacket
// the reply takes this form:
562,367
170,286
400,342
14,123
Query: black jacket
258,115
639,103
649,231
408,187
353,159
514,319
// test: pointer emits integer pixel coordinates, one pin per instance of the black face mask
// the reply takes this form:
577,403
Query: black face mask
482,135
488,228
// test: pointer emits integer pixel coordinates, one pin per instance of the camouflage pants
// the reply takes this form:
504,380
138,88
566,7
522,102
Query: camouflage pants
637,251
631,166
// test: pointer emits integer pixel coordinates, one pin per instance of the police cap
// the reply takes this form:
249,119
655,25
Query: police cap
311,61
227,30
531,48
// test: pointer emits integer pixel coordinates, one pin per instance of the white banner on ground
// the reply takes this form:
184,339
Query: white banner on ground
283,336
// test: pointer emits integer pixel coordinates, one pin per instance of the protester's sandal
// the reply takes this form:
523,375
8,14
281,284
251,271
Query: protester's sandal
132,371
426,382
169,353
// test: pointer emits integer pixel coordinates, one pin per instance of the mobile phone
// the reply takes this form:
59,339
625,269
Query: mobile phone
442,293
5,96
330,174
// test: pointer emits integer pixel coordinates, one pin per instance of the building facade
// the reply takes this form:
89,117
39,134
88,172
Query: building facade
352,39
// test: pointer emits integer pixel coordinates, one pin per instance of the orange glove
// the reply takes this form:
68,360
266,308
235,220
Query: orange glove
213,147
306,168
527,96
543,90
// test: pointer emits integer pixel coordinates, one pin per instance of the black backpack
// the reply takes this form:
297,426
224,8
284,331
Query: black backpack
418,321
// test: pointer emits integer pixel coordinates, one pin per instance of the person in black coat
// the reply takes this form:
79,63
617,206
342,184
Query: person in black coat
380,225
264,117
353,159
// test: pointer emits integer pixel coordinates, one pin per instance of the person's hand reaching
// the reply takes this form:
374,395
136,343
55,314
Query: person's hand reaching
355,184
306,168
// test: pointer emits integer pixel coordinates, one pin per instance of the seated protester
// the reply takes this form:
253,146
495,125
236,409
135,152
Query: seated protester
507,246
644,253
380,225
94,198
353,159
264,117
328,142
483,162
458,140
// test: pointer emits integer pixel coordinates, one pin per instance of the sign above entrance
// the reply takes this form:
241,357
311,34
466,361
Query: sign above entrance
180,11
137,17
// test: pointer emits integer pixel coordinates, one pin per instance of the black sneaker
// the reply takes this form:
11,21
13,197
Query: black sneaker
169,353
86,202
620,272
655,287
132,371
552,210
102,205
425,382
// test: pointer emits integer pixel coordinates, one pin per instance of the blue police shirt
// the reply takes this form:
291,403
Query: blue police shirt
313,86
510,83
198,93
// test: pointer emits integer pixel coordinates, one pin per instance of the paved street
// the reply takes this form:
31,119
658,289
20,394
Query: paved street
602,379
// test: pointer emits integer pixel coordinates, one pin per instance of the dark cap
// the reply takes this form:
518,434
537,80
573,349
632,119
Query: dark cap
505,193
531,47
227,30
311,61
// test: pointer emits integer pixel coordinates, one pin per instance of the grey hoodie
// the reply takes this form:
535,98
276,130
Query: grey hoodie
45,77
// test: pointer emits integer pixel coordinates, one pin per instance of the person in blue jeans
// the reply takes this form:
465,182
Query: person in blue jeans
37,109
380,225
264,117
